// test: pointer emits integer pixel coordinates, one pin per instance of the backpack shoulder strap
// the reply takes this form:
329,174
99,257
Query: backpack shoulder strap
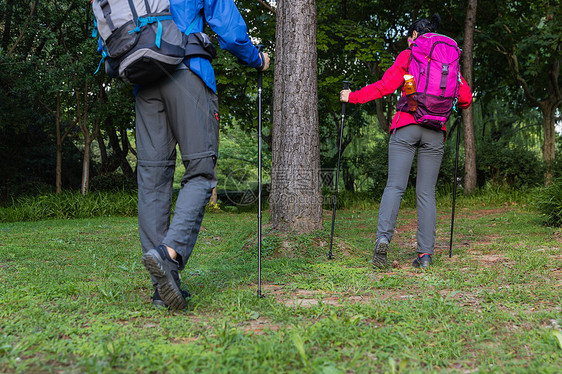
194,22
409,60
106,9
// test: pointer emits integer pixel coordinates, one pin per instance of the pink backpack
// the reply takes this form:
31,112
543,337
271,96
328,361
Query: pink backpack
434,64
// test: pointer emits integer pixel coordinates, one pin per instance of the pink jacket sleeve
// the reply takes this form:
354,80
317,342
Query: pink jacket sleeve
465,95
390,81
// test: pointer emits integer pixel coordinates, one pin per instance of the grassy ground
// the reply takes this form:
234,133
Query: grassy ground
74,298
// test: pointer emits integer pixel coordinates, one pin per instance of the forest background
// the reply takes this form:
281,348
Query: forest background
64,128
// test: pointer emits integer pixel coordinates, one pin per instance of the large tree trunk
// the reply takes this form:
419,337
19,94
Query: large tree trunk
468,114
548,149
296,200
60,139
85,184
86,162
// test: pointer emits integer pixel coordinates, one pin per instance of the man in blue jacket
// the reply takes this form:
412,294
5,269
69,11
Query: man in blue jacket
183,109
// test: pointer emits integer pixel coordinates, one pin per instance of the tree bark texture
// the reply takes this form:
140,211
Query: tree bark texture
468,114
85,185
296,199
105,160
548,149
60,138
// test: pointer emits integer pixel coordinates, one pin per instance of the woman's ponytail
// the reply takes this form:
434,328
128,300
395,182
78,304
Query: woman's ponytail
423,25
434,22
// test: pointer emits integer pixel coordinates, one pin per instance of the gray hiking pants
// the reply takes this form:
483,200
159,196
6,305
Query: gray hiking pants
402,148
180,110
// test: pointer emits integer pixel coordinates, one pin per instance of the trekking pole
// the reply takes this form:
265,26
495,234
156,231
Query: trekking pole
346,85
260,83
457,124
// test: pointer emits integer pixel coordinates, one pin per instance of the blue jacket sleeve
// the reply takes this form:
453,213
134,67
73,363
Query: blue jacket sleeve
225,19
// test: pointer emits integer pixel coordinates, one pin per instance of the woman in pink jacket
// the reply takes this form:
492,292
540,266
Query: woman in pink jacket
406,137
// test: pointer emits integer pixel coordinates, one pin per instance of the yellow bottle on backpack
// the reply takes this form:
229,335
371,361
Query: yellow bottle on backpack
410,90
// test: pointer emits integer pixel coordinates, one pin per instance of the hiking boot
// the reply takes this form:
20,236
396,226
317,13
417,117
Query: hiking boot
166,271
423,261
379,254
158,303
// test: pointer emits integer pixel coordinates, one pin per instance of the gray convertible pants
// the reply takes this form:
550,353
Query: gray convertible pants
402,147
180,110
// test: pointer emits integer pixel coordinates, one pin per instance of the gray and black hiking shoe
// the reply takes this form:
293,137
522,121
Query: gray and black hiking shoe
379,254
162,267
423,261
158,303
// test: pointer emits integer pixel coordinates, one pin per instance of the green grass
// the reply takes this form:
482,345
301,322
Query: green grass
75,298
70,205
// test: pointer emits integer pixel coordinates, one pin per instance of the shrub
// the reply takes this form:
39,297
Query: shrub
374,164
349,200
512,166
213,207
70,205
549,202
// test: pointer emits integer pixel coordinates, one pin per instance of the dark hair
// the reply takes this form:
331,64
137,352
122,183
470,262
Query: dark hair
423,25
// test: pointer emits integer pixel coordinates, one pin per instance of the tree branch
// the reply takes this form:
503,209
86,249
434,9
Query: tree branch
553,74
268,6
52,112
56,114
514,65
20,37
522,81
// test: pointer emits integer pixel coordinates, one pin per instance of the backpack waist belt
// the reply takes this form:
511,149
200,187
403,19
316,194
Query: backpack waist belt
199,44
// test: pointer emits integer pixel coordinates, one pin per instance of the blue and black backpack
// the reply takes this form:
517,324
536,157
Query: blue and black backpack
139,41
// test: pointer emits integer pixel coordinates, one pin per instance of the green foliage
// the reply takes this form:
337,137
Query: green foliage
237,167
34,161
53,54
531,32
549,202
112,182
237,84
488,196
508,165
350,200
70,205
374,164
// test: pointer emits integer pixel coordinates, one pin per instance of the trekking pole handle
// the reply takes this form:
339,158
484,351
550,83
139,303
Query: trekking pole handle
346,86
